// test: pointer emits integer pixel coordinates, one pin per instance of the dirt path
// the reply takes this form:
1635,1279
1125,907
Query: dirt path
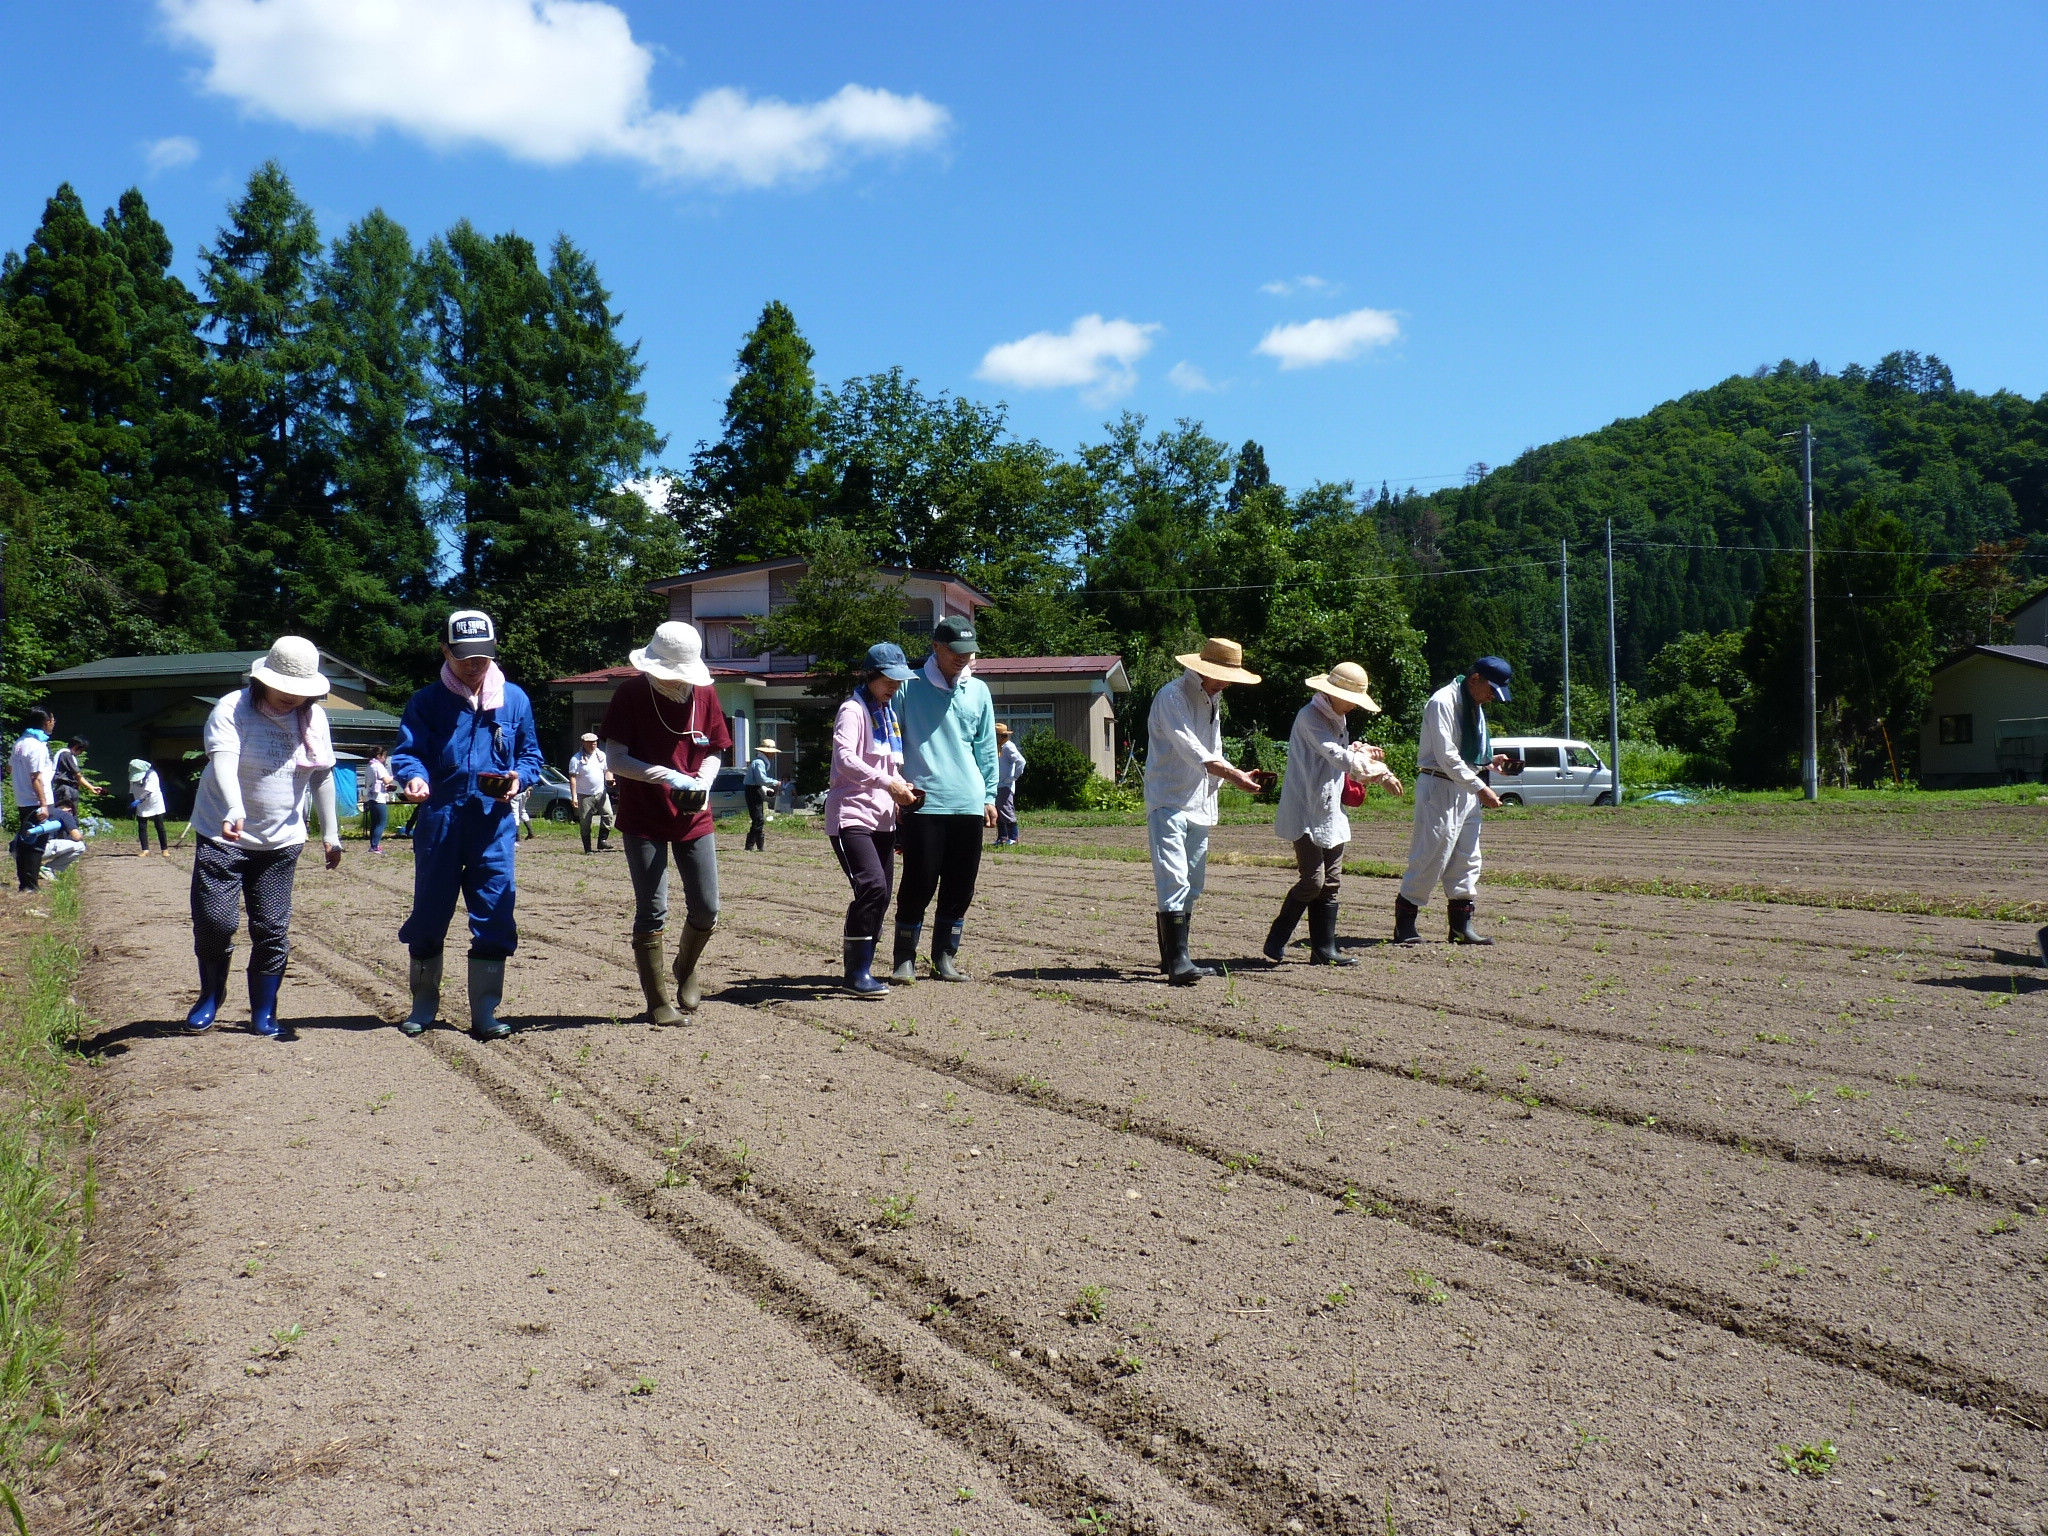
1573,1235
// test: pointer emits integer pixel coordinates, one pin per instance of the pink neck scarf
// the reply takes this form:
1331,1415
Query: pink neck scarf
490,696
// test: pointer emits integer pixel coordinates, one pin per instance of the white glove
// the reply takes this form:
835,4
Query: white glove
671,778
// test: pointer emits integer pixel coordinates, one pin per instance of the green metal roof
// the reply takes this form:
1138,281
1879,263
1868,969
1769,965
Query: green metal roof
137,669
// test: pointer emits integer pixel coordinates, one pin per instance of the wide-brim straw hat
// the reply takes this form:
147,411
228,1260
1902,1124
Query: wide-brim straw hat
1002,729
1346,681
1222,660
292,667
675,655
768,746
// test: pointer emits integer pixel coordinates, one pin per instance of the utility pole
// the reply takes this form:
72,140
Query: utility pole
1613,676
1564,564
1810,762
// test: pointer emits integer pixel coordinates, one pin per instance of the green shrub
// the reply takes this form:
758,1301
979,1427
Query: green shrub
1058,776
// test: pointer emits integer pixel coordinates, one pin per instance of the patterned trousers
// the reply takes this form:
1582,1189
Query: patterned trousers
224,879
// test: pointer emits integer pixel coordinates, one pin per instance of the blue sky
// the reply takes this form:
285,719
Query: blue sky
1516,222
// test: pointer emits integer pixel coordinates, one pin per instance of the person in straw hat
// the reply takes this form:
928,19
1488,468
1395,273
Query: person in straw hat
466,747
1450,793
1184,770
266,745
665,736
1321,759
761,786
1010,765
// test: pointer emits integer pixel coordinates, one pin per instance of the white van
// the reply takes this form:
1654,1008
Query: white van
1555,771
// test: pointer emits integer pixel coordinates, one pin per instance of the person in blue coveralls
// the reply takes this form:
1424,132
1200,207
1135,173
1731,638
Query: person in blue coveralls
466,747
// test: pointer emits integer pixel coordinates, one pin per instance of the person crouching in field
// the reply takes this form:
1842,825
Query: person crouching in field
1184,763
1449,796
665,737
867,794
465,747
266,745
1322,760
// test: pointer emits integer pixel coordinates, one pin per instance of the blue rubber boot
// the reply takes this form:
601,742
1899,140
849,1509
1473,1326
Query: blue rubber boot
424,978
486,991
213,991
860,975
263,1003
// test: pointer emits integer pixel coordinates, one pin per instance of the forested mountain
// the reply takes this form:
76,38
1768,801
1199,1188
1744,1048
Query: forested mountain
346,437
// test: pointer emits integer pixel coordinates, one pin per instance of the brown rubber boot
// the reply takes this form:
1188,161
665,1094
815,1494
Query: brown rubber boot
689,987
653,979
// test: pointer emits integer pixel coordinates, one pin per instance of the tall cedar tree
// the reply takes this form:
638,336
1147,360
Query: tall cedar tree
745,496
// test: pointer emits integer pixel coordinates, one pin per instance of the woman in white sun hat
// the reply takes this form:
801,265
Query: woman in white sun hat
1321,759
266,744
664,737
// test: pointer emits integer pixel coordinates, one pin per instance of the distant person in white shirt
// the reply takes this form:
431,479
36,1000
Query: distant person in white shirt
590,792
146,795
1449,796
30,766
761,787
1321,760
1184,768
1010,765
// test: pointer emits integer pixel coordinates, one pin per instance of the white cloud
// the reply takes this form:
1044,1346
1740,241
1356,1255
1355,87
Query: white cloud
1282,286
171,154
1311,343
548,81
1093,354
1190,379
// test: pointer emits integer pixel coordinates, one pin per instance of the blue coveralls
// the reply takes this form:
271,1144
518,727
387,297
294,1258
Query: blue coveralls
463,839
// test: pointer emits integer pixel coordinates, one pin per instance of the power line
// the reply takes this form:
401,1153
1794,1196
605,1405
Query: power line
1273,586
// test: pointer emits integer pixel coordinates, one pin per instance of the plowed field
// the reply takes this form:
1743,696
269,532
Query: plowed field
1590,1231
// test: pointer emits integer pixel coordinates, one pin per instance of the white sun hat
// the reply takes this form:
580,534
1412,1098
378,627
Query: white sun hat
292,667
675,655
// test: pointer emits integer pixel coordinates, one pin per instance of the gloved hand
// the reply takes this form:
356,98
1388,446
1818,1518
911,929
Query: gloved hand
672,778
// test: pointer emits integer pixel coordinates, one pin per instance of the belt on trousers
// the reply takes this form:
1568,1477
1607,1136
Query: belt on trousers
1438,773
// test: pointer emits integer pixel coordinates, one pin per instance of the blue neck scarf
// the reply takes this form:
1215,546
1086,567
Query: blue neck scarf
888,733
39,735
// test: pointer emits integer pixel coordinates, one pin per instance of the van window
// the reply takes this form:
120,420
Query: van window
1582,757
1539,757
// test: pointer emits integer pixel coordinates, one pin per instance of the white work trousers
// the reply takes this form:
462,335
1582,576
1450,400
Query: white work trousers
60,853
1445,843
1180,858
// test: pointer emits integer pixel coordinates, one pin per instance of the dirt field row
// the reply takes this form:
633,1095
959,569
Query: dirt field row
1573,1234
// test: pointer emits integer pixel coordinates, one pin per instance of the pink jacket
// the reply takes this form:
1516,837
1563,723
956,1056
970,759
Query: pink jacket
859,799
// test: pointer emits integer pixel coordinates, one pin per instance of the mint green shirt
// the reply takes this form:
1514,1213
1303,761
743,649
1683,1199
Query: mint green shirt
949,741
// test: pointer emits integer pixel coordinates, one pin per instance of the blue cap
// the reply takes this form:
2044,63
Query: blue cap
1496,672
887,659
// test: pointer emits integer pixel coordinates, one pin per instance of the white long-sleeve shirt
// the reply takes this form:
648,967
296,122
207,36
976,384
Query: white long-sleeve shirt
256,773
1320,756
1439,747
1010,765
1186,730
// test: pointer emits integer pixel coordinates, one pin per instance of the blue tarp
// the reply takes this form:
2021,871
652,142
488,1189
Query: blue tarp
345,801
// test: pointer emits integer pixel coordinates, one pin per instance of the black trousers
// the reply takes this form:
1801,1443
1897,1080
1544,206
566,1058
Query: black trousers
224,879
28,857
869,860
757,825
942,855
142,826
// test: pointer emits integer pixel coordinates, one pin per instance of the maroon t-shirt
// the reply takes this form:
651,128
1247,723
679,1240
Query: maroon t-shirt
657,730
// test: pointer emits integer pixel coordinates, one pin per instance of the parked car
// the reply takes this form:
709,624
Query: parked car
729,792
551,797
1555,771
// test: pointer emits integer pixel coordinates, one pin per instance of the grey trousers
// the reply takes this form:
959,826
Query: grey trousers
597,808
696,861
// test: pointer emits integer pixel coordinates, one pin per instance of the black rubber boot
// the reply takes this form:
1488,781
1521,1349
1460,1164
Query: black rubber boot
1173,951
2041,939
1322,935
1281,934
946,946
1405,913
1461,925
904,971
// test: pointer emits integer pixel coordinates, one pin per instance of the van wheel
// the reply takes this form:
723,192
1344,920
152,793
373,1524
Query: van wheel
1606,797
1510,799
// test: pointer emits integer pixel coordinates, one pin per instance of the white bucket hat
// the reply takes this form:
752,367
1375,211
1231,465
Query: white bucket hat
675,655
292,667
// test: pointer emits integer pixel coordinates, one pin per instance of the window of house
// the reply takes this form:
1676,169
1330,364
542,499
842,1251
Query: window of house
1957,730
1109,737
113,701
1023,719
